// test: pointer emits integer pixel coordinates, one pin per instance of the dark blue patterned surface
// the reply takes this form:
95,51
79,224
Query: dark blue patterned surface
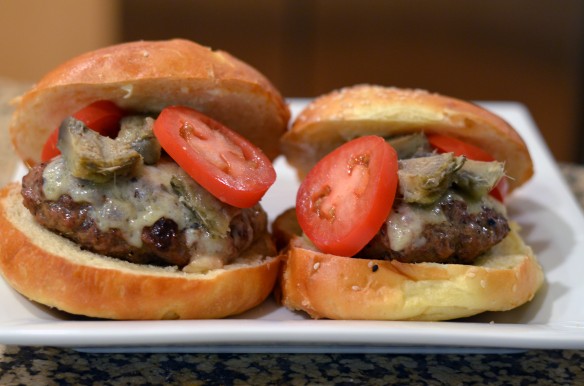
54,366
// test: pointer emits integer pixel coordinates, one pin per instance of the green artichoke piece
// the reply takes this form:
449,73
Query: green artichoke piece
424,180
91,156
478,178
410,145
207,210
136,130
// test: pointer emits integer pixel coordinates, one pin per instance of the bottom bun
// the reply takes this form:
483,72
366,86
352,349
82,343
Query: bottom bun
54,271
335,287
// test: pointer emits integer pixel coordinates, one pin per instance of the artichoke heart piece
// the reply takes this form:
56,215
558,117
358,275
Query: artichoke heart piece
478,178
211,213
424,180
410,145
91,156
136,131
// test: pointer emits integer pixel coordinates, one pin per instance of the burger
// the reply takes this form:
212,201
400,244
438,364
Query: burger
401,213
147,163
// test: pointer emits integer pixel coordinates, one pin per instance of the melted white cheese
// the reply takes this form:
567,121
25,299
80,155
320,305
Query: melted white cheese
125,204
406,222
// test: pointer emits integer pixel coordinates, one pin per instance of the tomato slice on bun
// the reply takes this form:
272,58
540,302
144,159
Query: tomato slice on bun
347,196
101,116
222,161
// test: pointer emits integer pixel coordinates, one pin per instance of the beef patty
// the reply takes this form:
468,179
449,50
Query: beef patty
460,237
162,243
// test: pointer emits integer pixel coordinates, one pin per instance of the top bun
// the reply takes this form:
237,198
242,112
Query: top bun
344,114
147,76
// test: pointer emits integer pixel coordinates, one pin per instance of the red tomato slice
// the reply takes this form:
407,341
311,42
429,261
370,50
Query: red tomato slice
446,144
50,149
101,116
222,161
500,190
347,196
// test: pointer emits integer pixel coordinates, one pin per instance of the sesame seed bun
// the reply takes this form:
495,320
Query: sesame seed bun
146,76
351,112
56,272
338,287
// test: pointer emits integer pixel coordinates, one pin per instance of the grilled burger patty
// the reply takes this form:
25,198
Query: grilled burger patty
453,230
141,219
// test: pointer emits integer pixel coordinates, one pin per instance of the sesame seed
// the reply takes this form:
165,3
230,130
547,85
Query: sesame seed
316,265
483,283
356,288
375,268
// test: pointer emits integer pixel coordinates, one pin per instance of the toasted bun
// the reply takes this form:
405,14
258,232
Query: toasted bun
54,271
146,76
335,287
362,110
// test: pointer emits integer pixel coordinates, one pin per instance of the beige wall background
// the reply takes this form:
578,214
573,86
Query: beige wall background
36,35
522,50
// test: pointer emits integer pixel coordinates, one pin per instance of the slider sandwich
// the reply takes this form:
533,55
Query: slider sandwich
147,162
401,211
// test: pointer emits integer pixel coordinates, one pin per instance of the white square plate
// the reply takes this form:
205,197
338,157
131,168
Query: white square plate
552,224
